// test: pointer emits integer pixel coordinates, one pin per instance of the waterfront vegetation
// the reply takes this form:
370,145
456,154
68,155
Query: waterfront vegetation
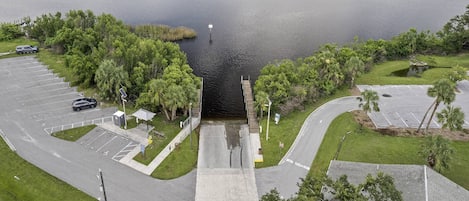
163,32
21,180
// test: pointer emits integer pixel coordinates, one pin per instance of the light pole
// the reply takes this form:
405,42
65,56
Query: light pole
268,121
125,116
190,123
101,187
123,95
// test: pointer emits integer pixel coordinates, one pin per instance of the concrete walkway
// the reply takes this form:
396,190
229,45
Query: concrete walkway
140,136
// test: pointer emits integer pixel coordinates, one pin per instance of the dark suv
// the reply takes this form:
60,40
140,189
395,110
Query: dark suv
25,49
84,103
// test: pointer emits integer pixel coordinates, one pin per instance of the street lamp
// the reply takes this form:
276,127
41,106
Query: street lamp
125,116
123,95
101,186
190,123
268,121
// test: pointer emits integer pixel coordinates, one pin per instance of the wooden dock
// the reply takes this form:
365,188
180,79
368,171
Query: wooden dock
249,105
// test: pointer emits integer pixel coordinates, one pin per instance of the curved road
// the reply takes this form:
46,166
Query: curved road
295,164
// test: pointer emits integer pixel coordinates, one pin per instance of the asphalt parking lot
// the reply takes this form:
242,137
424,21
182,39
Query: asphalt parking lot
33,89
407,105
109,144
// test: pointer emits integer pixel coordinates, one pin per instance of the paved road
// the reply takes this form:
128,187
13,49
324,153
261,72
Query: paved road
32,99
404,108
295,164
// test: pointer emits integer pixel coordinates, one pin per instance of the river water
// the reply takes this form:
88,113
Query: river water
249,34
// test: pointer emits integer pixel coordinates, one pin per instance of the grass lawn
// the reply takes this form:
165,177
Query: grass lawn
74,134
32,183
381,74
10,46
368,146
181,161
287,130
169,129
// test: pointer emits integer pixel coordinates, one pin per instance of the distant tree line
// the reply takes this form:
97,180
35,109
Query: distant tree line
104,53
290,84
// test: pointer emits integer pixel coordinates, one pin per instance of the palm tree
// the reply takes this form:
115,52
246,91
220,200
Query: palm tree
173,99
110,78
443,91
354,67
262,100
371,99
451,117
437,151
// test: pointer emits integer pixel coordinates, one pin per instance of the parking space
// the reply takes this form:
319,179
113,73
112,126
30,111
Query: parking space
405,105
33,89
109,144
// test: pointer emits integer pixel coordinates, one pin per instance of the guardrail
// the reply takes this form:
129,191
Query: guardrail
53,129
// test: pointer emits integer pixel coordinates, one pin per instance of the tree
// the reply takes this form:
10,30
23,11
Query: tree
437,152
273,195
451,117
380,188
354,67
443,91
262,99
110,78
371,99
458,74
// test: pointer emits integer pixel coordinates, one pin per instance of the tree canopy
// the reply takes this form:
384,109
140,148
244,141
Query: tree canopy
104,53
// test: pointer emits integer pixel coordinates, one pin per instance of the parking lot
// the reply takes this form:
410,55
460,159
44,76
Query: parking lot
107,143
33,89
407,104
28,87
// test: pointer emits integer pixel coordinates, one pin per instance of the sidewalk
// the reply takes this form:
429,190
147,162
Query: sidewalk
140,136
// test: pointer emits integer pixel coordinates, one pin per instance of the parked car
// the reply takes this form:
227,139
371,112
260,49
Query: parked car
84,103
26,49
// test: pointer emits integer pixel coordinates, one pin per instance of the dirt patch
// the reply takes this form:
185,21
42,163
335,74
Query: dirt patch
355,91
363,119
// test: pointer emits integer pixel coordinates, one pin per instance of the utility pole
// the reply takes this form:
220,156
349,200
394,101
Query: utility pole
101,187
190,123
268,121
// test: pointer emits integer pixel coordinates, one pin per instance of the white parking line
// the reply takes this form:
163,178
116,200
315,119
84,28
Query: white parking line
106,143
415,117
399,116
96,138
438,125
124,151
389,122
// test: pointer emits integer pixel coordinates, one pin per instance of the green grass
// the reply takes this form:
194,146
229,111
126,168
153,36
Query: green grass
170,130
74,134
287,130
368,146
33,184
181,161
10,46
381,74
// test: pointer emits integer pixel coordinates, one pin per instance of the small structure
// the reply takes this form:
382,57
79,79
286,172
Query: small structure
143,115
118,118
